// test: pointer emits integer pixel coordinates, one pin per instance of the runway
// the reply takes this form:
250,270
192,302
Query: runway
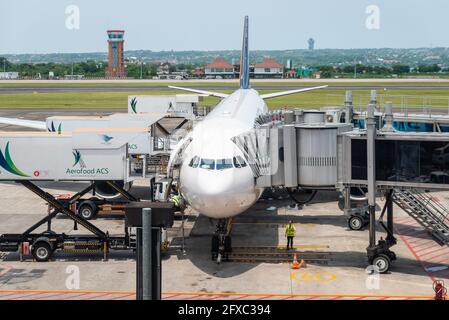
23,89
61,86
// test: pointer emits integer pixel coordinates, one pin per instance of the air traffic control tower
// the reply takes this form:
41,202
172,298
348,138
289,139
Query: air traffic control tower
116,66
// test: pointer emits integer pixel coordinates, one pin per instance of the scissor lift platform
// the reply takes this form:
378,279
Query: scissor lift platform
96,156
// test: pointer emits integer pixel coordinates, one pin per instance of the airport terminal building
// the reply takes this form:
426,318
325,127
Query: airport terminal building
269,68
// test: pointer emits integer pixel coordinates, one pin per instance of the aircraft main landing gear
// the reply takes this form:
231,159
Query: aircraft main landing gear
221,241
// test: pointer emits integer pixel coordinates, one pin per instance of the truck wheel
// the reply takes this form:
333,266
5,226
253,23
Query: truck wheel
86,211
42,251
355,223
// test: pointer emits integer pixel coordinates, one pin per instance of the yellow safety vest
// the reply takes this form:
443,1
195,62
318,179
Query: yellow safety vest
291,230
176,200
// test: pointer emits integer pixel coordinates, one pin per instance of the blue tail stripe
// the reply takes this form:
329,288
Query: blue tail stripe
244,62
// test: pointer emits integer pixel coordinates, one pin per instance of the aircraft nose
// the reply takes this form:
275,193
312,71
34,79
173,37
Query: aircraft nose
217,194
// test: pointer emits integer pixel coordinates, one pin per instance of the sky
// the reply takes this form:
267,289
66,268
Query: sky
43,26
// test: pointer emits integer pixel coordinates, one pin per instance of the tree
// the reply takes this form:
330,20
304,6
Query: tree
429,69
400,68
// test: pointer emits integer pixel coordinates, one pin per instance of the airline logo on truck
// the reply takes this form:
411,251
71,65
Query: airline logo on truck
134,104
7,163
82,167
78,159
106,139
53,129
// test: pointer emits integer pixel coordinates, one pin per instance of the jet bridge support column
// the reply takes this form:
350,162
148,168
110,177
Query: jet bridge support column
390,224
349,107
379,255
371,156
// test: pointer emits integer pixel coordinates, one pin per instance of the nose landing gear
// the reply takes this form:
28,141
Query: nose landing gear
221,241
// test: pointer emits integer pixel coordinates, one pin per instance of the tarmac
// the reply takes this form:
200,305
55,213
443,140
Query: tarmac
193,275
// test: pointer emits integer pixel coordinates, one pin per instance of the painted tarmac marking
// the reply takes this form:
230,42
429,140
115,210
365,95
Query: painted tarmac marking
242,297
96,296
19,295
437,256
417,244
77,295
434,251
53,295
443,261
311,276
5,270
123,296
202,295
424,251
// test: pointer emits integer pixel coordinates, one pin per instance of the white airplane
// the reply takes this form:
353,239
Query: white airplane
215,180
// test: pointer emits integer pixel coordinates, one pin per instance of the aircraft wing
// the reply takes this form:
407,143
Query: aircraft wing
40,125
208,93
286,93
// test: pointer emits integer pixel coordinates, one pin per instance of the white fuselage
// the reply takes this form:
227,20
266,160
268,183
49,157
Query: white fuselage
214,178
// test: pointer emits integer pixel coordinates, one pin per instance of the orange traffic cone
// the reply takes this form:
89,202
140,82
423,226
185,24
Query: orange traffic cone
295,264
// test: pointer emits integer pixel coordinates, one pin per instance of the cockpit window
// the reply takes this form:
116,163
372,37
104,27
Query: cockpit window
223,164
208,164
194,162
239,162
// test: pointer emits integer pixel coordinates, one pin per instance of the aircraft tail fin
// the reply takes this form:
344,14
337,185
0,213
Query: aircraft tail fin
244,60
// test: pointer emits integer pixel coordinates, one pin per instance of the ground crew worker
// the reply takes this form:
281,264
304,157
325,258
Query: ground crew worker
290,232
177,201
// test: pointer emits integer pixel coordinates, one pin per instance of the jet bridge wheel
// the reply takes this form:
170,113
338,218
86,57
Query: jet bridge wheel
356,223
383,262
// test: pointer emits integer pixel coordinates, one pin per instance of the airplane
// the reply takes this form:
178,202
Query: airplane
214,177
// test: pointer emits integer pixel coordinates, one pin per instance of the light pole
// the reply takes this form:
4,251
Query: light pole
141,69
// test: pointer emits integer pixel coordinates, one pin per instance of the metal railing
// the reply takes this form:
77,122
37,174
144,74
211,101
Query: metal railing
438,105
426,211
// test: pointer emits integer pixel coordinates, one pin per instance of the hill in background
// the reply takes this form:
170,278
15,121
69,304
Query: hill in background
411,57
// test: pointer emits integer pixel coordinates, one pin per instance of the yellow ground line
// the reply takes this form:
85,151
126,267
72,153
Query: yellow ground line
283,253
65,291
224,294
283,247
278,223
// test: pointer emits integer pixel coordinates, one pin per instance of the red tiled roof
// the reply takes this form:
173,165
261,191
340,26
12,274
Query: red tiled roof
198,72
220,63
269,63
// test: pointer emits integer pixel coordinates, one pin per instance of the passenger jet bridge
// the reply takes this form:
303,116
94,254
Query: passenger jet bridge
301,149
